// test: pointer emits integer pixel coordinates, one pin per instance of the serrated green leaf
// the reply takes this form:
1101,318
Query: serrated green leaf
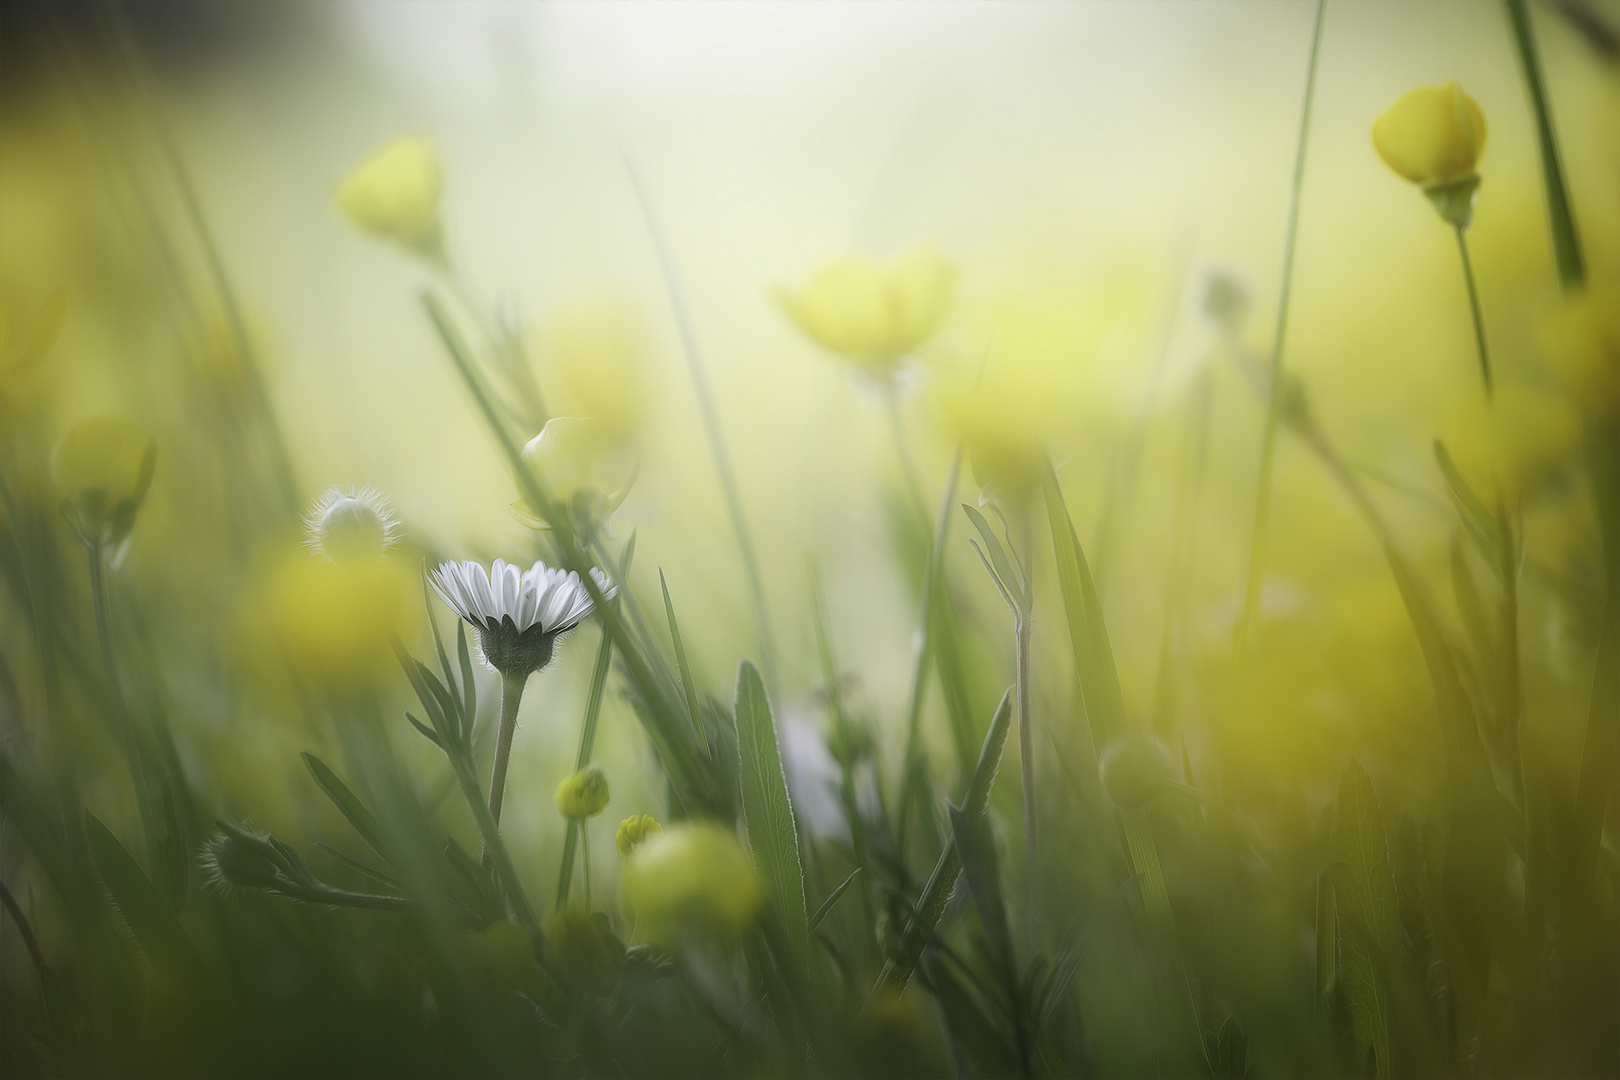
768,811
150,919
981,871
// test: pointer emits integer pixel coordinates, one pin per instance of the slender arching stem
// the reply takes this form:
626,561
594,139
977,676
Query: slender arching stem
1473,306
1268,441
902,447
1026,739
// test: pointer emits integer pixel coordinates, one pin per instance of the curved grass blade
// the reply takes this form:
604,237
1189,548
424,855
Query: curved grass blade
773,834
349,805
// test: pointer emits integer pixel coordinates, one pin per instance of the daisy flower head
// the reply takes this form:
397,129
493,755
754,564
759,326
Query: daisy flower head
351,526
518,614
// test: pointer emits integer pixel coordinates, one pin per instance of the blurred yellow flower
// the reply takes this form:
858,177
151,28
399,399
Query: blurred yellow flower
594,356
1133,769
1581,340
586,465
501,954
582,947
873,316
104,469
584,794
1434,136
394,194
333,626
633,830
691,881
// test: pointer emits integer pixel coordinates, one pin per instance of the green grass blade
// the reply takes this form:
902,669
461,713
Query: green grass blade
349,805
688,686
773,834
897,970
832,898
1566,241
1088,635
28,815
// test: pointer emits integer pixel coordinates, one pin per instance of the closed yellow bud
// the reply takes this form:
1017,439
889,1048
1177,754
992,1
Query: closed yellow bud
692,881
874,316
633,830
394,194
585,794
104,469
1434,136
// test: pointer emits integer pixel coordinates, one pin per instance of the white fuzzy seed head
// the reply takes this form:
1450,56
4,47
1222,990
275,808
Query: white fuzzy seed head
352,527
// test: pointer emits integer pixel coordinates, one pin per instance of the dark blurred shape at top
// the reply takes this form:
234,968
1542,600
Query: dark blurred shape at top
176,37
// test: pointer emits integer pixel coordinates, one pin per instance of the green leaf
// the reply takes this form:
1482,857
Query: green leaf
1001,566
687,685
983,875
1369,908
768,812
149,917
364,821
1480,521
827,905
925,916
28,814
1088,634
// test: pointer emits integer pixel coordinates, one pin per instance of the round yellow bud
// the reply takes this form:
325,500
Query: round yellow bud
692,881
633,830
1134,769
1434,136
104,469
394,193
584,794
873,316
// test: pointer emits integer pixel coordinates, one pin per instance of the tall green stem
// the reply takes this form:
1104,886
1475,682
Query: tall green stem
1566,242
1026,738
711,424
127,741
1268,441
1473,307
902,448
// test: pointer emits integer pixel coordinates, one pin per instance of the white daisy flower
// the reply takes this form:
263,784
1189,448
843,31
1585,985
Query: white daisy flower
351,526
518,614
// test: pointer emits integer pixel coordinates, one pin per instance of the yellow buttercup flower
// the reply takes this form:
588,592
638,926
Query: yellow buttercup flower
1434,136
586,465
584,794
394,194
633,830
595,363
104,469
874,316
691,881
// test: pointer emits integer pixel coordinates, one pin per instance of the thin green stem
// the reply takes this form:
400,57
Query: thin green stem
902,446
122,724
1026,738
1473,306
511,697
582,758
711,425
585,856
1268,440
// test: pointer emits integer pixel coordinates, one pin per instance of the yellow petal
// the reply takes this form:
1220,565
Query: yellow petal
108,455
921,285
1431,135
845,307
394,193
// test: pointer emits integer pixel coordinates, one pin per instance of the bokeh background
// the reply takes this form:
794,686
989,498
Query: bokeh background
1087,168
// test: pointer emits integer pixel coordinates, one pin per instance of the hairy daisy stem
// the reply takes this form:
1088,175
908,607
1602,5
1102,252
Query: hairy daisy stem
1268,440
1473,307
511,695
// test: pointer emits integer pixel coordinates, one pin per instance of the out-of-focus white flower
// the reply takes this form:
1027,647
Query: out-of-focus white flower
351,526
518,614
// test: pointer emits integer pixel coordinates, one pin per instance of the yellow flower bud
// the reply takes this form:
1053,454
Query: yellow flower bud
585,794
873,316
1133,770
104,469
394,194
1434,136
586,466
633,830
692,881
